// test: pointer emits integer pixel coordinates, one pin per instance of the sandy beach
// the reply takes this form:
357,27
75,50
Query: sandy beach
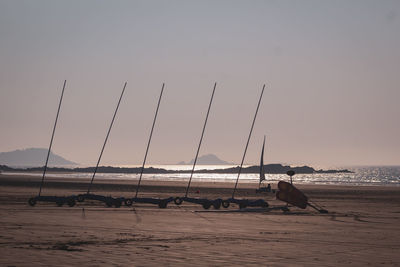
361,228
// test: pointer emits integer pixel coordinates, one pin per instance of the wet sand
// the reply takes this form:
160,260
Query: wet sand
361,229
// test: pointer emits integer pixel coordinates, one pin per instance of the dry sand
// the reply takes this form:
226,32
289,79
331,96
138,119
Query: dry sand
361,229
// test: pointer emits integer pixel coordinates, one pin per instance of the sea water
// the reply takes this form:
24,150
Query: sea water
367,175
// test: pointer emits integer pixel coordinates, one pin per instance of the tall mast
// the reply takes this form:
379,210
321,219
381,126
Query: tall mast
247,144
105,141
201,139
51,140
148,143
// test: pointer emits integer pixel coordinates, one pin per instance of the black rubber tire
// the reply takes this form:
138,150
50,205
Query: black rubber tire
117,203
225,204
206,206
128,202
32,201
242,205
59,203
71,202
178,201
162,204
81,198
217,205
109,203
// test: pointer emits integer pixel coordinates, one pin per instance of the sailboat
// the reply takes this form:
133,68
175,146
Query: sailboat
243,203
262,173
55,199
206,203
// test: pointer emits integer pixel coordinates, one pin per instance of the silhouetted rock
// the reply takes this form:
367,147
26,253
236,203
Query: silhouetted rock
270,168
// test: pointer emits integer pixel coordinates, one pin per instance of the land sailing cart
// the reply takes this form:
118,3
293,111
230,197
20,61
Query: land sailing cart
59,200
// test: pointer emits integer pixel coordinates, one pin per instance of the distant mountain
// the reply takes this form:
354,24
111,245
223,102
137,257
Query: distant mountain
32,157
209,159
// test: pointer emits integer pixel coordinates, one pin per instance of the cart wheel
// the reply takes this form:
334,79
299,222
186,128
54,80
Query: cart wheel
225,204
128,202
285,209
162,204
71,202
178,201
32,201
117,203
217,204
206,206
109,203
81,198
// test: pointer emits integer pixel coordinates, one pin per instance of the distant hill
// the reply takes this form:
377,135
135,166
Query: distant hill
209,159
32,157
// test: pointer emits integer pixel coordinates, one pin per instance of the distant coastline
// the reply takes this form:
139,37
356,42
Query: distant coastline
269,168
30,157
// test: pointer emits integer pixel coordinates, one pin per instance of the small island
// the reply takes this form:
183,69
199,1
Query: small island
269,168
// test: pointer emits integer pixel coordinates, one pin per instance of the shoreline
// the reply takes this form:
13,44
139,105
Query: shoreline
18,178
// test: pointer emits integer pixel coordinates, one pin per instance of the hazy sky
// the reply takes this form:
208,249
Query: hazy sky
332,70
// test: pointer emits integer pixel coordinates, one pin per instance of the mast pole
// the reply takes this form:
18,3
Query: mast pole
105,141
247,144
201,139
51,140
148,143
